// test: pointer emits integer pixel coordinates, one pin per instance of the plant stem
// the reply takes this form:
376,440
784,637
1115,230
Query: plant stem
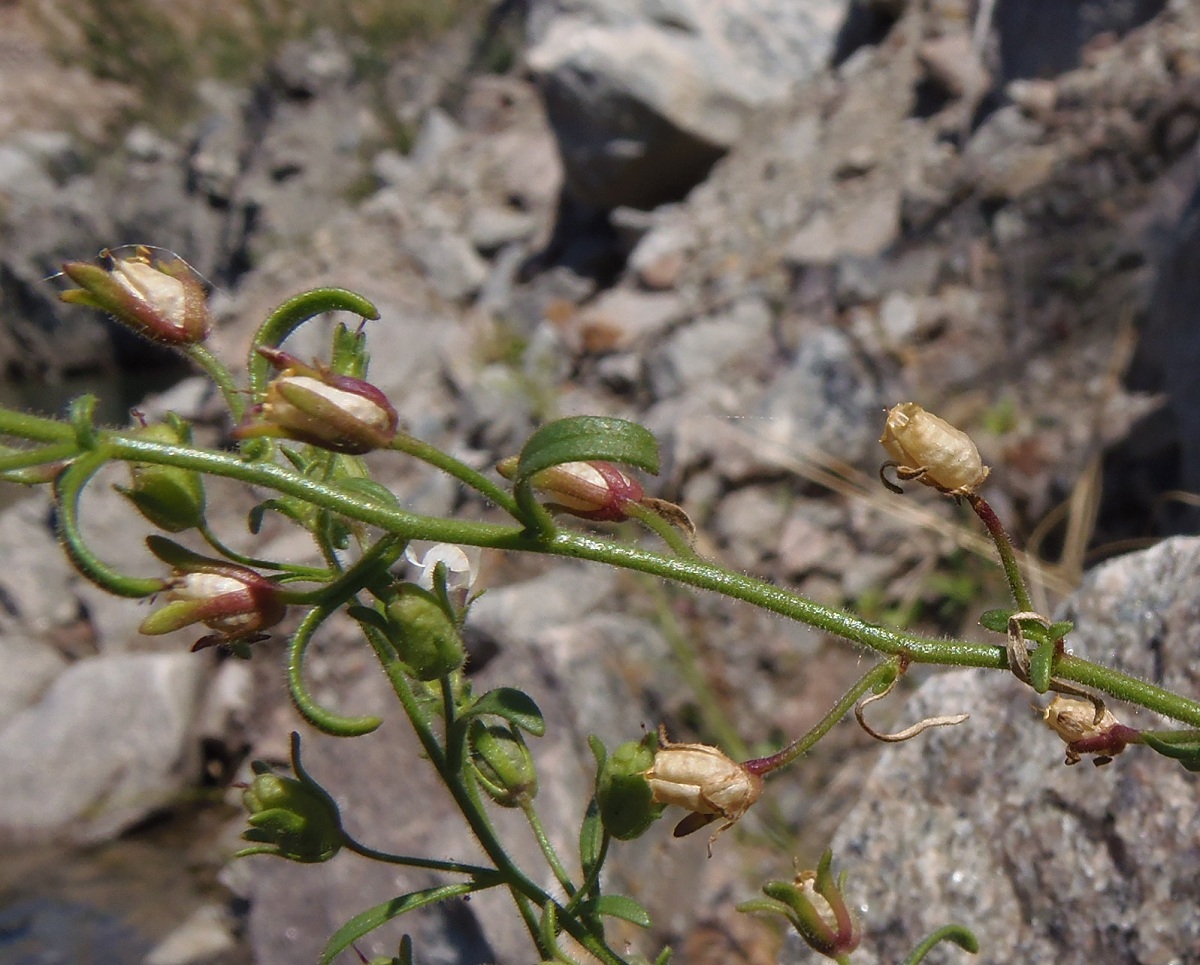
1008,559
878,676
693,572
215,369
478,872
458,469
547,846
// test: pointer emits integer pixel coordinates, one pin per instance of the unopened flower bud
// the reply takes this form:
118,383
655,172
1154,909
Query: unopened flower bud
170,497
591,490
313,405
160,298
294,819
234,601
503,763
424,635
705,781
1075,721
626,801
931,451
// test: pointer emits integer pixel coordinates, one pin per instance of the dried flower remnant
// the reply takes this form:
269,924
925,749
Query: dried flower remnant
931,451
235,602
705,781
312,404
1088,729
160,298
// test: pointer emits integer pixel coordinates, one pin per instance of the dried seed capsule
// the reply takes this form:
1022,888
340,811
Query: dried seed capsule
1075,721
706,782
930,450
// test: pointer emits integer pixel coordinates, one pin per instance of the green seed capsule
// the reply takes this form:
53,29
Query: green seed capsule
423,634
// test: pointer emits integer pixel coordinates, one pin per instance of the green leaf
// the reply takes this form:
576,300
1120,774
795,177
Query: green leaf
1041,665
617,906
367,921
591,838
664,956
582,438
514,706
958,935
176,556
364,614
371,490
1186,752
996,620
1060,629
598,750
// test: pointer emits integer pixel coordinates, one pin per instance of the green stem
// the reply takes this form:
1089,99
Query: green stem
877,677
292,570
68,488
1008,559
662,528
478,872
963,937
216,370
466,796
24,458
593,879
323,720
458,469
547,846
291,315
693,572
35,428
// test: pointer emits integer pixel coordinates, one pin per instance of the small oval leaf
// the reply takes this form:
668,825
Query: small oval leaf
591,838
1041,666
514,706
582,438
996,620
620,906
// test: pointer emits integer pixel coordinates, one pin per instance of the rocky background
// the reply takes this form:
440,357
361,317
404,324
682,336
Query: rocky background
749,225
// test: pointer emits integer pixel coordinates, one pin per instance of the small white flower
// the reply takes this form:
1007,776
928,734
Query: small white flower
460,574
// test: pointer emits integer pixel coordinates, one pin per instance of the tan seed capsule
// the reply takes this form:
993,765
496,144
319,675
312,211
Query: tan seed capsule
703,780
1075,722
932,451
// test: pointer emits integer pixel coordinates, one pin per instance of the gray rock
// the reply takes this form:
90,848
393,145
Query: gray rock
491,227
34,583
983,825
107,745
827,401
29,667
450,263
645,97
205,935
713,348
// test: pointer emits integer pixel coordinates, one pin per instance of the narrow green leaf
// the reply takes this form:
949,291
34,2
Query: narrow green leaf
618,906
591,836
1041,666
964,938
370,489
581,438
174,555
1187,753
367,921
514,706
598,750
996,620
1060,629
664,957
364,614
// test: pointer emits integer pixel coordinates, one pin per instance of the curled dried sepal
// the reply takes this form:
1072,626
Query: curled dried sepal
930,450
311,404
594,490
159,297
704,780
1088,728
907,733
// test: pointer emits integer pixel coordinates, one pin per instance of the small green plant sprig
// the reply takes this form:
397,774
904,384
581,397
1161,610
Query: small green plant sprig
302,429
